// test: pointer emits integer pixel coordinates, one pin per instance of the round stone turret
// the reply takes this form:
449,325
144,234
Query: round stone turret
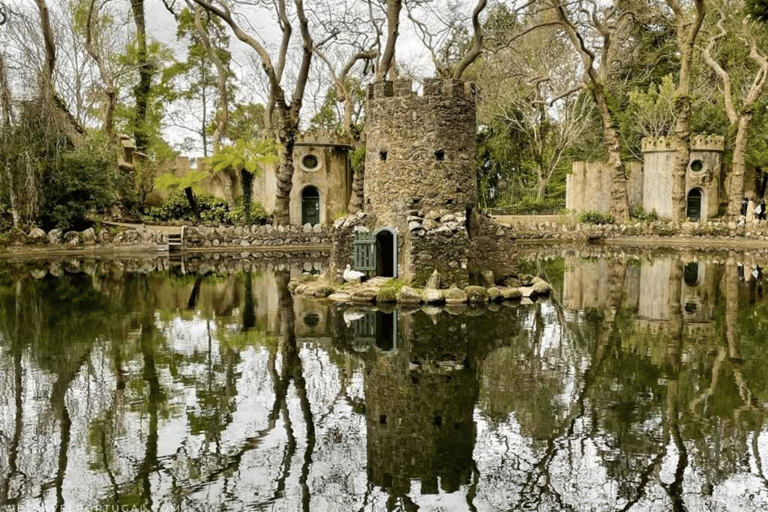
420,149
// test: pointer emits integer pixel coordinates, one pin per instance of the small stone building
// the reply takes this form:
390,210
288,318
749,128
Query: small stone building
702,180
650,183
322,181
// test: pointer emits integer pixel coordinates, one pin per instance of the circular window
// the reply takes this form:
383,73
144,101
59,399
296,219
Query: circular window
697,166
310,162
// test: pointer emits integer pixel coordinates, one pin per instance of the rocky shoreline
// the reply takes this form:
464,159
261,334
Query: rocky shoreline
385,290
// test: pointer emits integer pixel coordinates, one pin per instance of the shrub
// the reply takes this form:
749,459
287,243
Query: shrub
212,209
638,213
595,217
531,206
177,207
77,183
258,213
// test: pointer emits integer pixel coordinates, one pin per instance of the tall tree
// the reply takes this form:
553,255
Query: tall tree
146,69
739,104
610,24
288,112
205,79
94,28
688,27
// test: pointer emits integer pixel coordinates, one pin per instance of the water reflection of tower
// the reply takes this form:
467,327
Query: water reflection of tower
419,406
421,386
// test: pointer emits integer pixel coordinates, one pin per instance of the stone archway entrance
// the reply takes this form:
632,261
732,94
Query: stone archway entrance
693,207
386,252
310,206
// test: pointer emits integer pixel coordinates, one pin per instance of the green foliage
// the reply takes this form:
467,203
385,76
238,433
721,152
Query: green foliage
248,157
595,217
530,206
331,113
177,207
161,93
637,212
79,182
171,182
357,158
212,209
650,113
258,214
758,9
245,155
55,182
246,122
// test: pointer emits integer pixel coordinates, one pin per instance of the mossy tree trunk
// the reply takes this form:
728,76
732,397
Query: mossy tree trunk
246,180
687,31
193,203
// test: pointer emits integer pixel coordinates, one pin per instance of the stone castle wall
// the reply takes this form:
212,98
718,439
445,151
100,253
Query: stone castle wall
331,176
328,171
588,186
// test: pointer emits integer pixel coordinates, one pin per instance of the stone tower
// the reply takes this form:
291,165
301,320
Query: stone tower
420,153
702,180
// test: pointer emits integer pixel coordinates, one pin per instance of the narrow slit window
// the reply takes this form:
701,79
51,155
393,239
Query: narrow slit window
383,156
440,155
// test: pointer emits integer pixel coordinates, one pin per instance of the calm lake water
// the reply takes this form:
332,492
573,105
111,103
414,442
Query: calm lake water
641,385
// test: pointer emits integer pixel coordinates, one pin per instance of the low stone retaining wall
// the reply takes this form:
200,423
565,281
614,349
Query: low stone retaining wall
652,231
194,237
256,236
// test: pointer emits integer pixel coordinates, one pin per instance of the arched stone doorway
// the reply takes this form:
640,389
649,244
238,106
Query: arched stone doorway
694,205
386,252
310,205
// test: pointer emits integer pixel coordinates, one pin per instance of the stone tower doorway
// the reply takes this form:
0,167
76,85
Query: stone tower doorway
310,206
386,252
693,210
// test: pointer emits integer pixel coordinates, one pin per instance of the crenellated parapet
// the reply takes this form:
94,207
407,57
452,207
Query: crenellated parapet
322,138
449,88
701,142
708,143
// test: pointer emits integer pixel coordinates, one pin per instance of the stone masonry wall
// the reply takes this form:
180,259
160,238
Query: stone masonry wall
438,241
420,149
343,237
256,236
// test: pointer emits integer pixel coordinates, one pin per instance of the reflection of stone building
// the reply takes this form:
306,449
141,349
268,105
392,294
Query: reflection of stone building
588,186
419,420
644,287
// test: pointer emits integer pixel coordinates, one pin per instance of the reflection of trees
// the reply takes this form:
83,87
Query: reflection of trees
641,399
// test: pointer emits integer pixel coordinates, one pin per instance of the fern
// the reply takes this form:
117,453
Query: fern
245,155
171,182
